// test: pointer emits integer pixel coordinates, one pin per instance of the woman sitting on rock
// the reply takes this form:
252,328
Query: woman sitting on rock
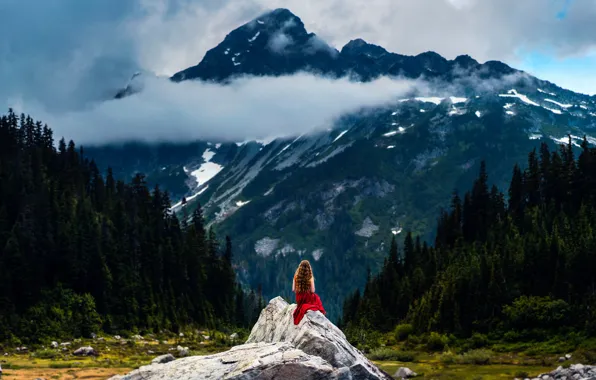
304,287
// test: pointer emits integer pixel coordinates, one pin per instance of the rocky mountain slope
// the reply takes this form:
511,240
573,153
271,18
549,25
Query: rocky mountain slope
336,197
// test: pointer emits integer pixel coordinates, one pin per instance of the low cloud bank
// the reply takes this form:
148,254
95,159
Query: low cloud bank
250,107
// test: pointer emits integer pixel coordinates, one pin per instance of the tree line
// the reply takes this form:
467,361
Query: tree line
82,252
521,264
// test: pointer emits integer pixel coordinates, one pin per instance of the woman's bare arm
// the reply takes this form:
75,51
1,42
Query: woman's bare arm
312,284
294,284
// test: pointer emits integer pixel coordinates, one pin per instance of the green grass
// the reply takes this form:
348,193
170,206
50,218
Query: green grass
435,370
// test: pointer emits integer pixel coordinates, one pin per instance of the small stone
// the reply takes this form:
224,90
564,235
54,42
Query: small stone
163,359
117,337
568,356
562,359
181,335
55,345
182,351
93,336
234,336
405,373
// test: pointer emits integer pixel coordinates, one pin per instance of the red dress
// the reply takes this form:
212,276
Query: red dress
306,301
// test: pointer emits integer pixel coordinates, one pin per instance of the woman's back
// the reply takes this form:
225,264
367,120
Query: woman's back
303,285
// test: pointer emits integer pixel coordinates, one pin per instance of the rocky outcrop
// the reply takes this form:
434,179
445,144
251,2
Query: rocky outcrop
575,372
275,349
315,335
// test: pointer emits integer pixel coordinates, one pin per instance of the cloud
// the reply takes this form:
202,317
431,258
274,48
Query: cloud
247,108
279,42
62,57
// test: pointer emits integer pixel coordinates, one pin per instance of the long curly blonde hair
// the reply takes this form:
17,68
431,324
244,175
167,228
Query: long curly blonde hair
303,277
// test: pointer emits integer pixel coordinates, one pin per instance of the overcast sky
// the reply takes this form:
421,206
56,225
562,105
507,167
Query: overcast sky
60,57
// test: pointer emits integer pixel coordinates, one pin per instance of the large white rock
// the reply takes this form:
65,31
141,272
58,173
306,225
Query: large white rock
315,335
246,362
276,349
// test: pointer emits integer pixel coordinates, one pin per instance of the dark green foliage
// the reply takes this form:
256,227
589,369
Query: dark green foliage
80,253
520,269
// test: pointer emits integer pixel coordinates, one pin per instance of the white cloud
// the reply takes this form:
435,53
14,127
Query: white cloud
279,42
260,107
73,53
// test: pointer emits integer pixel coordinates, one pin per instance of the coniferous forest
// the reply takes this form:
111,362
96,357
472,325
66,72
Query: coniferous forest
517,266
81,252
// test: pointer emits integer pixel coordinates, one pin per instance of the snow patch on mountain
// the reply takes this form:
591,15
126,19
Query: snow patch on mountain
547,93
241,203
175,207
340,135
434,100
208,170
558,112
456,100
559,104
564,140
514,94
253,39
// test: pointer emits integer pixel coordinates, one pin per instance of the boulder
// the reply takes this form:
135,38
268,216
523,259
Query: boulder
276,349
575,371
163,359
85,351
404,373
182,351
315,335
262,361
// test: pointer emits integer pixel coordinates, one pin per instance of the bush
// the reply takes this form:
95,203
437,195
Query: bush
478,340
402,332
436,342
388,354
522,375
447,358
46,354
477,357
529,312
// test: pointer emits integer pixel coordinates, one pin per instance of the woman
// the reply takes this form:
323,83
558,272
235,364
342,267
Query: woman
304,287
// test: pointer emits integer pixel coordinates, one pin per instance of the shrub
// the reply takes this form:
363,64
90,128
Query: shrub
478,357
388,354
585,356
436,342
478,340
447,358
403,331
529,312
46,354
522,375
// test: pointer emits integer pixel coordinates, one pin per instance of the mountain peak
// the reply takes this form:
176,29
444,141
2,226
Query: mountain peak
279,13
359,46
